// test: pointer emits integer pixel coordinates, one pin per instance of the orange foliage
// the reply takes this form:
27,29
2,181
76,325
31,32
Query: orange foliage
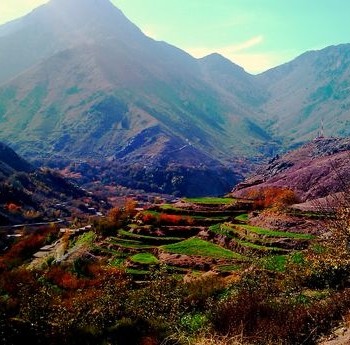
13,208
170,219
62,278
130,207
165,219
268,197
11,281
23,249
114,214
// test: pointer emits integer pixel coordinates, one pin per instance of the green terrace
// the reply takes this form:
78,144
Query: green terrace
274,233
211,201
242,218
144,259
198,247
246,230
129,244
147,238
247,242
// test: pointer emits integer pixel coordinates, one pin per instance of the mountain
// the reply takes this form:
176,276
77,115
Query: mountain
104,82
28,194
316,170
80,81
81,84
314,87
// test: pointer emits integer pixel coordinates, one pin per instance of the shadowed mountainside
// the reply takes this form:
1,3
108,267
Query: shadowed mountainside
30,191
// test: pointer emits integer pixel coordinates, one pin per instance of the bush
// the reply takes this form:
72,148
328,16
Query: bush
276,197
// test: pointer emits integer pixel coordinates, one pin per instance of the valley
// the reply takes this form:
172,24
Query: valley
186,253
148,197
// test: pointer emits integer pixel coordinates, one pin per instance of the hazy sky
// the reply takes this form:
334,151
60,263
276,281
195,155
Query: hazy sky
256,34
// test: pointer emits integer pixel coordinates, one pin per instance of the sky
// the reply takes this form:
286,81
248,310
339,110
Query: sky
255,34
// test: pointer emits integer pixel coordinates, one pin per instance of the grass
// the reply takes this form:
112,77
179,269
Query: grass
228,268
274,233
211,201
279,262
129,244
117,261
243,217
145,259
123,240
145,237
136,272
169,207
276,263
260,247
197,247
86,239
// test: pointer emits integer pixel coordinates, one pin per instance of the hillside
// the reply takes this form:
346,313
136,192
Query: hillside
107,91
30,195
90,87
315,170
106,82
313,87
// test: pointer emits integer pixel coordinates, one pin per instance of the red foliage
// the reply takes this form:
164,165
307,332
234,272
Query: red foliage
13,208
165,219
12,281
272,197
149,218
23,249
170,219
62,278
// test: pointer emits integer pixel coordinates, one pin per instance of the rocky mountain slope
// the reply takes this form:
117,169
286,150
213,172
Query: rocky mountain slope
315,170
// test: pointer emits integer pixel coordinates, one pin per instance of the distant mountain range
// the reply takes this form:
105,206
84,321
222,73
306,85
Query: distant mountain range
79,81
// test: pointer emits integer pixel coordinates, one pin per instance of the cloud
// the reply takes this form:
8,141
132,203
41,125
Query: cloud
253,62
246,45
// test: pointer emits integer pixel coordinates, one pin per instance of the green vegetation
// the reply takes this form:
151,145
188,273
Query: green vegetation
279,263
228,268
130,244
198,247
243,217
137,272
288,287
259,247
145,237
169,207
87,239
145,259
274,233
276,263
117,262
211,201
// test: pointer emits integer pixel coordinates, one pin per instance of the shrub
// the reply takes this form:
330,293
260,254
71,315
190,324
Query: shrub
277,197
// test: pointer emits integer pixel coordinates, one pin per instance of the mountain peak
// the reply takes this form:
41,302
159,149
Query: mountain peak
81,4
216,60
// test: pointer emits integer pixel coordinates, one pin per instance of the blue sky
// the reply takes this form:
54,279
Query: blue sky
256,34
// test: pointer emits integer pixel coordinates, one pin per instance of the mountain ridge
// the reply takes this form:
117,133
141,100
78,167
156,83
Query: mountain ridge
101,84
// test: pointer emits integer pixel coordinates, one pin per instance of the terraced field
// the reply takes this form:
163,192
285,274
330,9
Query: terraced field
213,234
